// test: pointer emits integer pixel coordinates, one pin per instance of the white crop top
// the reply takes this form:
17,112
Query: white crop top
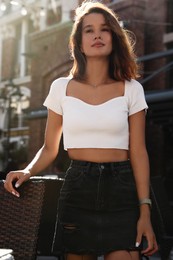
95,126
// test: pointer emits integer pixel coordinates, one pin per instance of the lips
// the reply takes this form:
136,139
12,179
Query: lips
98,44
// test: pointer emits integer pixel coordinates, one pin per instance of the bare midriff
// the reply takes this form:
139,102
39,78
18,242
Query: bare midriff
98,155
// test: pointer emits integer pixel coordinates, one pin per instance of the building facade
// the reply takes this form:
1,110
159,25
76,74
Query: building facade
34,52
23,24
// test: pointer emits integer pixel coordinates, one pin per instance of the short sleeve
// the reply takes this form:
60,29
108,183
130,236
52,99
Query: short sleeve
136,97
55,96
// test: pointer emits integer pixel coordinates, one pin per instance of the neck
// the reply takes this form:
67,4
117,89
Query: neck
97,72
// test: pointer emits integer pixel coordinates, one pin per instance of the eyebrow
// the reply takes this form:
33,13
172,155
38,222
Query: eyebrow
90,25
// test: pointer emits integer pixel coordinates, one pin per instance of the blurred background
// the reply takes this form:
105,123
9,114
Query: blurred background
34,51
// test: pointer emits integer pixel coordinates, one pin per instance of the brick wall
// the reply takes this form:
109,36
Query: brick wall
8,46
130,12
155,16
51,60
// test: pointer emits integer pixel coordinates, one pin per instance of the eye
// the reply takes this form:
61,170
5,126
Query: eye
106,29
88,31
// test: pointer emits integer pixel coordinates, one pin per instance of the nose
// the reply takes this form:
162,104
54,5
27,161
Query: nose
97,37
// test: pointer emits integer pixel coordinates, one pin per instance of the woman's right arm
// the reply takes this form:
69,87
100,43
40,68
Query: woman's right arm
44,156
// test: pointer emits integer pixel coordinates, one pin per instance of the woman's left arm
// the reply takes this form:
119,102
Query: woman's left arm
140,165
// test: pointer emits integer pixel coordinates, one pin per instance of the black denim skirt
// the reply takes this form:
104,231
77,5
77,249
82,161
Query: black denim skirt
98,209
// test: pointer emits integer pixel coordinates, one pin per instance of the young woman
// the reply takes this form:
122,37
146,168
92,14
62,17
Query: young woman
104,205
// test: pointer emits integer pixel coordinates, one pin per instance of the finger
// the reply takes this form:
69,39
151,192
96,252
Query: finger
150,253
8,185
15,193
138,240
155,247
154,250
147,250
22,179
151,249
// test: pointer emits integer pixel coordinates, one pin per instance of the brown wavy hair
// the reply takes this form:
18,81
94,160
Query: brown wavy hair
122,60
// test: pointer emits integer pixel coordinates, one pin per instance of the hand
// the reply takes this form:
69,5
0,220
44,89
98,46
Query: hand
144,229
16,176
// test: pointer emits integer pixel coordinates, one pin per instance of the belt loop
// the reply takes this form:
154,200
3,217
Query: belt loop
88,166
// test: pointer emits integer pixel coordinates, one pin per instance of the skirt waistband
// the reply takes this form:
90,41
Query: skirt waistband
112,165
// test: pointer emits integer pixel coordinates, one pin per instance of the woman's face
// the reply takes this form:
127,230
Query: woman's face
96,36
